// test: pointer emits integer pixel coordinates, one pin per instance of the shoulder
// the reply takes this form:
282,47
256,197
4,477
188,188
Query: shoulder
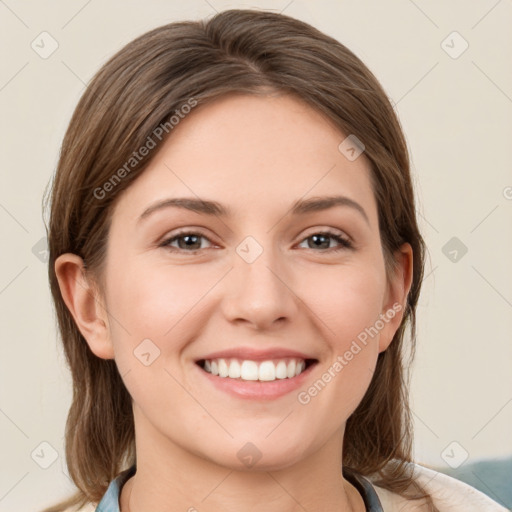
448,494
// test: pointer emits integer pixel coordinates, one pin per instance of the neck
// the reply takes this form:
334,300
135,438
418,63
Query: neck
170,478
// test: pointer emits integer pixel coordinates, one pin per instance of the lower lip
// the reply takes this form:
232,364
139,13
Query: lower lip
255,389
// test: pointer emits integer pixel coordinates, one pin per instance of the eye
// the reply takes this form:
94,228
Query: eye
187,241
321,240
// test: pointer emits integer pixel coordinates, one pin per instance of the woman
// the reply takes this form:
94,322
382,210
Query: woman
234,259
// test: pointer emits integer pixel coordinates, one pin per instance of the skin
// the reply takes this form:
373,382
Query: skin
256,155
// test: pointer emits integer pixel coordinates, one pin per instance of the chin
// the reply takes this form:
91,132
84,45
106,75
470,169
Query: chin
262,455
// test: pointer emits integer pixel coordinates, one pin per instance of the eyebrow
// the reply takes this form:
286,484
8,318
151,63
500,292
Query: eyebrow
206,207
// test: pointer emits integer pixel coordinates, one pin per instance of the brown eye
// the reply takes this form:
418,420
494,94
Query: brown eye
187,242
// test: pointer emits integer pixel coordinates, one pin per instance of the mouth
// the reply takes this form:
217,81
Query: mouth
246,370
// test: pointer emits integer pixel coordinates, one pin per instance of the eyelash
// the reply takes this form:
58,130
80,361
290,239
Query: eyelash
345,243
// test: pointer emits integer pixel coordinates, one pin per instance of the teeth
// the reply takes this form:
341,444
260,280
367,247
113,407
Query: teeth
252,370
234,370
281,370
267,371
223,368
249,370
291,369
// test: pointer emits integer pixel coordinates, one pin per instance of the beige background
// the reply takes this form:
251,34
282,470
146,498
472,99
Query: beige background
457,115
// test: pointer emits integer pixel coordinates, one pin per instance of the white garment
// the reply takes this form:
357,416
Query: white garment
448,494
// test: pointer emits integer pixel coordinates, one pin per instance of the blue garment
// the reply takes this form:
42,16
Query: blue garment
110,500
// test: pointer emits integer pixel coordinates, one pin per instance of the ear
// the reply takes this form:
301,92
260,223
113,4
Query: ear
395,300
84,303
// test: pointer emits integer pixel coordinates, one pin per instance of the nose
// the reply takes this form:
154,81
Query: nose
260,292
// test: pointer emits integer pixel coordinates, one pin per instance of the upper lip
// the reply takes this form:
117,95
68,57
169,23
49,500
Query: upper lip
253,354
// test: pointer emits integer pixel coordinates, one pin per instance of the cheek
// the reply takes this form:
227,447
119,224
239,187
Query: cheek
347,308
155,310
151,301
346,300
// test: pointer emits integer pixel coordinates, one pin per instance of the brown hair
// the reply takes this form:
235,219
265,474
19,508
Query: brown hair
135,92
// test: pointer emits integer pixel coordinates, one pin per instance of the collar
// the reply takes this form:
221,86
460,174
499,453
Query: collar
110,500
365,488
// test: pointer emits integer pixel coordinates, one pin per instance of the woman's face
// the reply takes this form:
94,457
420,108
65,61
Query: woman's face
262,279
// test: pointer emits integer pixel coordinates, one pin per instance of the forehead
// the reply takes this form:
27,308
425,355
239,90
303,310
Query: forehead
254,153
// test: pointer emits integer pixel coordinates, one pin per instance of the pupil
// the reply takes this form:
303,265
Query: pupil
188,239
317,237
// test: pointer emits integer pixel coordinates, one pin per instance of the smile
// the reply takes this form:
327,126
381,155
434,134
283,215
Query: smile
249,370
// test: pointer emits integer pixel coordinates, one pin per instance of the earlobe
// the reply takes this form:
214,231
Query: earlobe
84,304
396,298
